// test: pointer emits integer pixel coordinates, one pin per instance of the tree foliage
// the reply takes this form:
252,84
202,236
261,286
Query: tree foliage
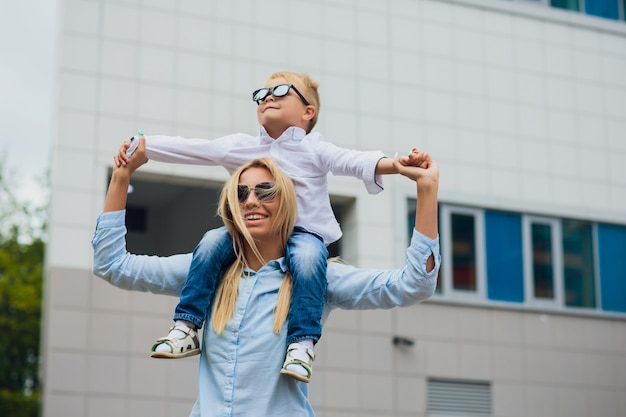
21,275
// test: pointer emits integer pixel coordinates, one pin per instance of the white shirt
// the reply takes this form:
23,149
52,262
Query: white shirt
306,158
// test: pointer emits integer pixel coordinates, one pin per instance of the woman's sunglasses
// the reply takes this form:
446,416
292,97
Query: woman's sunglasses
264,191
280,90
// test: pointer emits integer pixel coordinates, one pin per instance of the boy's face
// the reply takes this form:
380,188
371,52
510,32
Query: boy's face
276,114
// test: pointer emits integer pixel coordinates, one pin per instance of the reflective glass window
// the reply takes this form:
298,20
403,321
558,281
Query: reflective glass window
578,264
463,252
542,259
565,4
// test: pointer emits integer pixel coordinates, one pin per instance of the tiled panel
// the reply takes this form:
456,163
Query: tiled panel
540,400
377,393
411,395
443,359
67,372
65,405
68,287
507,364
68,330
341,390
508,400
107,374
79,53
104,406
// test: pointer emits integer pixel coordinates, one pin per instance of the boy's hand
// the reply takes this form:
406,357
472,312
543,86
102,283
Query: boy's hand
425,174
417,158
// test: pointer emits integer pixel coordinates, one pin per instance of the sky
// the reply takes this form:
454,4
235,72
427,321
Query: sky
28,54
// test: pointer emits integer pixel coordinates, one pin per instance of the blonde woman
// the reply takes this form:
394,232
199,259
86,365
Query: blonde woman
244,343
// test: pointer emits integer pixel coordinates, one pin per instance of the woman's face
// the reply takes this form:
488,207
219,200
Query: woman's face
259,216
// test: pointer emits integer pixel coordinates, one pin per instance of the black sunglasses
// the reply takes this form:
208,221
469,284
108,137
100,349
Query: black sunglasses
280,90
264,191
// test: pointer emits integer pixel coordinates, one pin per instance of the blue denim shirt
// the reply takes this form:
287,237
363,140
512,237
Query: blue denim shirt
239,370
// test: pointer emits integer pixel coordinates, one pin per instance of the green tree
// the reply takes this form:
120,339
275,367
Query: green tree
21,275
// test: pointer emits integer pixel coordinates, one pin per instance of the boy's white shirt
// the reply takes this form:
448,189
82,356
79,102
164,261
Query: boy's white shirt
306,158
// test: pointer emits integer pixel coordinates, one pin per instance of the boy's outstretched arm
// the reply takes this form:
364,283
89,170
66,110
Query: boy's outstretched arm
416,158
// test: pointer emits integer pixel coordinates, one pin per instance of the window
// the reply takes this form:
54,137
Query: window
505,255
462,252
603,8
136,219
565,4
542,270
612,260
449,397
544,262
608,9
578,264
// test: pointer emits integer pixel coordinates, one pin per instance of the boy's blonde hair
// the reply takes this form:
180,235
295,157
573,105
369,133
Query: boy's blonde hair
307,86
229,210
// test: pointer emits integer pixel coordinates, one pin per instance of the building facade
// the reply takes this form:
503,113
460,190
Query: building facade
522,103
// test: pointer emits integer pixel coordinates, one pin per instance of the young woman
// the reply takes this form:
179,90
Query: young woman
244,343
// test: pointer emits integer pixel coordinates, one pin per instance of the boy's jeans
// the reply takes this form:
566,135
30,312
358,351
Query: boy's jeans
306,258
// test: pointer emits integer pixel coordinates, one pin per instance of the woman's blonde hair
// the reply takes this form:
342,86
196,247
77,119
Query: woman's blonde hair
229,210
307,86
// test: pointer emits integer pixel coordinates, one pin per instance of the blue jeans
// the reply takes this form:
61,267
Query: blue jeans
306,258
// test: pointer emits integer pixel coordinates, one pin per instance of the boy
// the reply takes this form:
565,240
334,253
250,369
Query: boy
288,108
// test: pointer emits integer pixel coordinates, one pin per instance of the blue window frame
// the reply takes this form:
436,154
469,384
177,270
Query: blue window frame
612,260
505,260
608,9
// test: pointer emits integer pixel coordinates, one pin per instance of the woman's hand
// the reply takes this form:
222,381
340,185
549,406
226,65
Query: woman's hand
120,178
426,177
138,158
422,169
120,158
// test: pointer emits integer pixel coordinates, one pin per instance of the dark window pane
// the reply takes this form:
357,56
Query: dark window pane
578,267
565,4
463,252
136,219
543,271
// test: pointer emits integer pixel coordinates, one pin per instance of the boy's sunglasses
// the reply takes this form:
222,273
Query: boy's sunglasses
280,90
264,191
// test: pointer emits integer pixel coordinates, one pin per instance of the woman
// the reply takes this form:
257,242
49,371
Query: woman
243,346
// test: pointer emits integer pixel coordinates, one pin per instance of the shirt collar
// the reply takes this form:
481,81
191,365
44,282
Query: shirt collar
279,263
292,133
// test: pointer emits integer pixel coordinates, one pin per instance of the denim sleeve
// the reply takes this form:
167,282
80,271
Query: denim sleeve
113,263
361,289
